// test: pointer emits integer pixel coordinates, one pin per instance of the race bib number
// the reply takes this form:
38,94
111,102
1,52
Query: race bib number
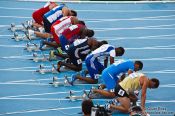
79,61
73,27
121,92
66,47
96,76
112,90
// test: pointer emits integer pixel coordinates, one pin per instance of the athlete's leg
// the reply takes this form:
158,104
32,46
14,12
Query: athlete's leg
124,105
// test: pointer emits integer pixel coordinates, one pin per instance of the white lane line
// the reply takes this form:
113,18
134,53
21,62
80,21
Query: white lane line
167,47
156,37
6,35
32,84
79,10
66,108
114,20
105,2
158,72
40,94
13,46
77,107
48,99
4,26
159,101
21,56
151,47
140,18
19,68
132,28
39,110
22,68
67,92
40,84
19,17
136,28
10,8
31,80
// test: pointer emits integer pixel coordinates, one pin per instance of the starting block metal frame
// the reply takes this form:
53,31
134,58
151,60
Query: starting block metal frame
57,83
44,71
14,27
21,37
73,97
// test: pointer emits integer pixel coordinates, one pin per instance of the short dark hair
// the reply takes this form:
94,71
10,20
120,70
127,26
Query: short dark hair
156,82
140,64
104,42
90,33
86,106
74,13
81,22
137,110
101,43
120,51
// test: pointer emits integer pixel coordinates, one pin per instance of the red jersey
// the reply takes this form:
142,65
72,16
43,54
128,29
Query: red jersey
38,14
59,26
73,32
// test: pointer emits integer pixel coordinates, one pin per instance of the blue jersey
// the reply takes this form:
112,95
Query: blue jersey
120,67
54,14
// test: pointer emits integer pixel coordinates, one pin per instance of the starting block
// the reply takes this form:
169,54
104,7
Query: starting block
21,37
73,97
56,83
44,71
32,47
39,59
14,27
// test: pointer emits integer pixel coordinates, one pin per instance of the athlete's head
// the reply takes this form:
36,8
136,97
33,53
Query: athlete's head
81,22
119,51
73,13
101,43
138,65
153,83
86,107
89,32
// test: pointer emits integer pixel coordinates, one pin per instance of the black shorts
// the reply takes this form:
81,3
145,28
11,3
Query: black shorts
74,60
47,24
120,92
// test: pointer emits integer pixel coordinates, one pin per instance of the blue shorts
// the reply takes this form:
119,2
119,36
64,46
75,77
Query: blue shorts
64,43
109,80
94,66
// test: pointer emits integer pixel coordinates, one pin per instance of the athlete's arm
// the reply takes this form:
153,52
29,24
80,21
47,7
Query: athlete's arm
52,5
143,82
65,11
82,33
130,71
111,60
106,62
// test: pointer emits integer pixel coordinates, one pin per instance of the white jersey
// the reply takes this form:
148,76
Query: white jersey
104,51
